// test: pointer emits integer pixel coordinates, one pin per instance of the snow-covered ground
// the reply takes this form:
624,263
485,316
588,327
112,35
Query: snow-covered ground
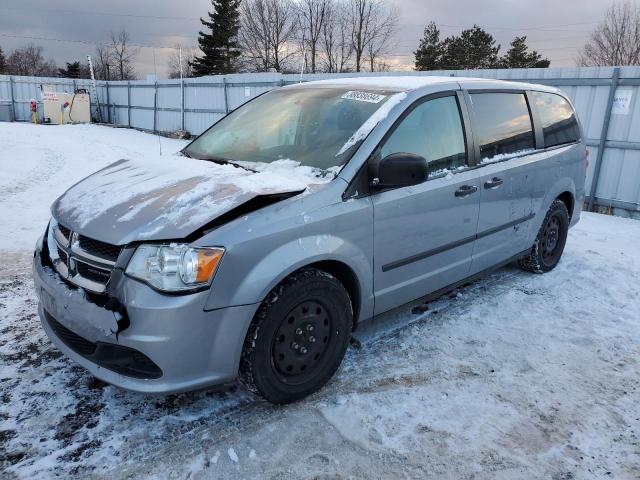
516,376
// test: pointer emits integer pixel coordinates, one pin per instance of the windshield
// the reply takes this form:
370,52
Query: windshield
307,125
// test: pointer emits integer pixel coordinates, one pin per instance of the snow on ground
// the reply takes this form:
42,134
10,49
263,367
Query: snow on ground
39,162
516,376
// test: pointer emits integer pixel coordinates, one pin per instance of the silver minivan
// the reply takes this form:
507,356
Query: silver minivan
297,217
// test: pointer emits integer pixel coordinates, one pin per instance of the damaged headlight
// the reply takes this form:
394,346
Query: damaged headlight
175,267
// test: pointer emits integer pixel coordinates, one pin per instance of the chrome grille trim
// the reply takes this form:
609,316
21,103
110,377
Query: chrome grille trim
60,238
77,250
66,254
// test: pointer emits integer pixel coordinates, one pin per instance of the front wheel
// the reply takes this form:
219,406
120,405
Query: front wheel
298,338
549,244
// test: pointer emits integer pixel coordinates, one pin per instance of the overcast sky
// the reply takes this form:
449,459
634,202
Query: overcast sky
556,28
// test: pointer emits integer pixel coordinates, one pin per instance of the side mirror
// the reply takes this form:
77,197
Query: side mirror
399,170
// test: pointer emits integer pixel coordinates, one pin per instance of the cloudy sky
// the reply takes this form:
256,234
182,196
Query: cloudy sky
68,29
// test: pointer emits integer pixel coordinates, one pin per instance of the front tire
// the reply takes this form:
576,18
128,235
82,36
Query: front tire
298,337
549,244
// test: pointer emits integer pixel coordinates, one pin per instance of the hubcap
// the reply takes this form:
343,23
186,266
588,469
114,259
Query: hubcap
302,339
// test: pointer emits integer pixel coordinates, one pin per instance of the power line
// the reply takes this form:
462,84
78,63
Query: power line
86,12
542,28
85,42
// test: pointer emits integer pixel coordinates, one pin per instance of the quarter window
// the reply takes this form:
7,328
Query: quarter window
434,131
502,125
559,122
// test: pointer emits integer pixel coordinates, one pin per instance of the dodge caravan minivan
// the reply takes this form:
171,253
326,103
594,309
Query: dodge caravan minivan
297,217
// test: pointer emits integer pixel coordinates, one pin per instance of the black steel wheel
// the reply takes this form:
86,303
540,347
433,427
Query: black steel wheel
301,343
549,244
298,338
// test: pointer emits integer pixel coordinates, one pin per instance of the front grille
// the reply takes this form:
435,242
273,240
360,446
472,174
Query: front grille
64,230
94,274
73,341
99,249
63,256
84,262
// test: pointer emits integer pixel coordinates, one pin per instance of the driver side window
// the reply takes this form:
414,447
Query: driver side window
434,131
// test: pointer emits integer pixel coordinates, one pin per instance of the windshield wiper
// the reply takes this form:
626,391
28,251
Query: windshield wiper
220,161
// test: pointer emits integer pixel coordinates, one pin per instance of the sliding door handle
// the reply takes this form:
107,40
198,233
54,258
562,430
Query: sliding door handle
495,182
466,190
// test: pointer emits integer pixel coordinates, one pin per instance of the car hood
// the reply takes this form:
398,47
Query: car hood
169,197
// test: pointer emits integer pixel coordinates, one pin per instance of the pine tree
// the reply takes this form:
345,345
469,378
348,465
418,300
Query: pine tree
518,56
72,70
429,52
3,62
474,48
220,48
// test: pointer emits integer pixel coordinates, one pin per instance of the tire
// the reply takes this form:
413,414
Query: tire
549,244
298,338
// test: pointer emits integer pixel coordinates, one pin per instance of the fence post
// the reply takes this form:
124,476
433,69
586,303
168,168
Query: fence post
128,103
13,101
182,104
226,98
108,103
615,77
155,107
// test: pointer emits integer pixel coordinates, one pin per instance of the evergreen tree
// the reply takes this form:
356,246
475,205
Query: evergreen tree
474,48
429,52
220,48
518,56
72,70
3,62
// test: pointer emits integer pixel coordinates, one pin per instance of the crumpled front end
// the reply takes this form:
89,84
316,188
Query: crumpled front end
138,338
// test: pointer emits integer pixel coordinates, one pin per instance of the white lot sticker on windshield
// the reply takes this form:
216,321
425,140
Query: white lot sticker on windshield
364,96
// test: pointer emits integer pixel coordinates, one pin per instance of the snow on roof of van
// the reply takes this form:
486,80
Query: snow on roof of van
399,82
413,82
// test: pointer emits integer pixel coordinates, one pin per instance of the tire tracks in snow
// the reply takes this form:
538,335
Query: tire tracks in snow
41,172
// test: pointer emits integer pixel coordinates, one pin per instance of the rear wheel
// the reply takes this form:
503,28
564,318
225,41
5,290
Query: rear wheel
549,244
298,338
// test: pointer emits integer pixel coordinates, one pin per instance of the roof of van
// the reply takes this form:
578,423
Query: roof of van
413,82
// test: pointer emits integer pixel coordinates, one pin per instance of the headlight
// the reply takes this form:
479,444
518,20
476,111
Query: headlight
174,267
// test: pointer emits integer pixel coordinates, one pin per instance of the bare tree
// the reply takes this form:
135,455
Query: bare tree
29,61
312,17
616,41
384,22
103,65
267,33
123,54
175,63
337,49
373,25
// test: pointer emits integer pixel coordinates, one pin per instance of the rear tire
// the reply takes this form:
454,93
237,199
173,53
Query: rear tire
298,337
549,244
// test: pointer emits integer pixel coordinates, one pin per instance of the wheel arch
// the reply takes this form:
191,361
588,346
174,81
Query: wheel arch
347,277
569,200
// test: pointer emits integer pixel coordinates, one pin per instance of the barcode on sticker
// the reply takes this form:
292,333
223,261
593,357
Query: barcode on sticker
364,96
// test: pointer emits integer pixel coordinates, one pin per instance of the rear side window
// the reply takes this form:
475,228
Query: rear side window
434,131
502,125
559,122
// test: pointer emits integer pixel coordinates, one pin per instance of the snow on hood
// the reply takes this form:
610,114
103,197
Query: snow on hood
171,196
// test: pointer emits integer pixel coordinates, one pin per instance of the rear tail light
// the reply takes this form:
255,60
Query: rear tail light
586,159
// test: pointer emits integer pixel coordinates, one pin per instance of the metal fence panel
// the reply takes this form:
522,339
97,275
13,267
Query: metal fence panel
195,103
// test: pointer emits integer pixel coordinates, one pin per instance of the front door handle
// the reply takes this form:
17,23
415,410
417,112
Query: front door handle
495,182
466,190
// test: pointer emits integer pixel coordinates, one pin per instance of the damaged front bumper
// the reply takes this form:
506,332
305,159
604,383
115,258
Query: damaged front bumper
167,343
